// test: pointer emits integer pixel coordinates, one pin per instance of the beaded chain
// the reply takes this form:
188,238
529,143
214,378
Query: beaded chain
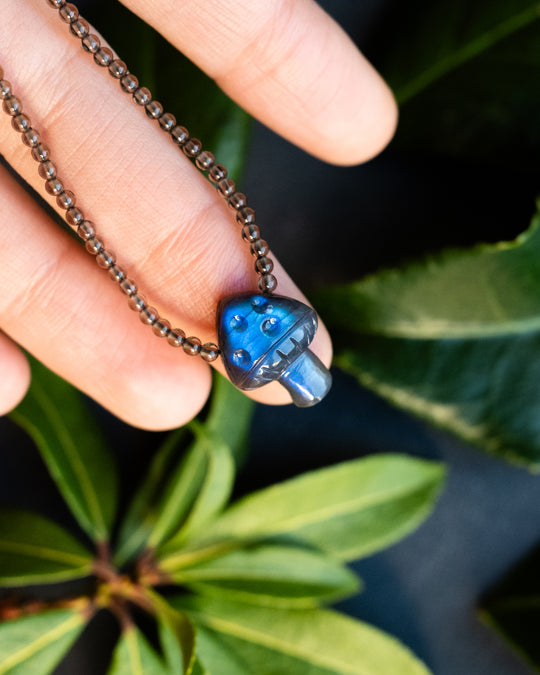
192,148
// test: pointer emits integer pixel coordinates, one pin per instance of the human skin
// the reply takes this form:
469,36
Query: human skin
297,72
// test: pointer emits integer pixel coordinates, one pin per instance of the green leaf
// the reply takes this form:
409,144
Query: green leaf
307,642
349,510
35,644
136,526
215,490
134,655
34,550
54,415
230,416
184,90
176,634
217,656
198,491
271,575
455,340
448,63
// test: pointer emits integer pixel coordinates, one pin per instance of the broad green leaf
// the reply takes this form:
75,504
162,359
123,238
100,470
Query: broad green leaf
463,74
35,644
512,608
304,642
349,510
134,655
271,575
230,416
217,656
215,490
136,526
184,90
176,634
455,340
68,438
198,491
34,550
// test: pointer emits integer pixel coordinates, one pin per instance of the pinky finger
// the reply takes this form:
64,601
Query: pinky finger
15,373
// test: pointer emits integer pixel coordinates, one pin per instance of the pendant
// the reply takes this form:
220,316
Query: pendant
265,338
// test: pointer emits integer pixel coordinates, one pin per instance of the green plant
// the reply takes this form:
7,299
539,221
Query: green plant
231,590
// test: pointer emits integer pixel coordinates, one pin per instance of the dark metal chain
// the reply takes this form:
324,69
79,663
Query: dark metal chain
192,148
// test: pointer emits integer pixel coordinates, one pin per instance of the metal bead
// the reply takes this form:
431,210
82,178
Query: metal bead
154,110
176,337
179,135
217,172
137,302
116,273
237,200
149,315
12,106
91,43
104,57
74,216
267,283
192,346
54,187
67,199
69,12
80,28
94,245
47,170
205,160
259,248
5,89
192,147
167,122
21,123
86,230
161,327
128,286
226,187
118,69
246,216
31,138
142,96
250,233
41,152
209,352
264,265
56,4
105,259
129,83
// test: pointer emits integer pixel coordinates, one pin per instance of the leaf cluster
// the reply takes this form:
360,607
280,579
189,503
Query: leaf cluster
229,589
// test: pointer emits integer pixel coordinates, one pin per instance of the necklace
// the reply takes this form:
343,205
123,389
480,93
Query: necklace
262,336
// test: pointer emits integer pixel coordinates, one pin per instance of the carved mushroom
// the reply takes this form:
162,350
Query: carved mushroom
265,338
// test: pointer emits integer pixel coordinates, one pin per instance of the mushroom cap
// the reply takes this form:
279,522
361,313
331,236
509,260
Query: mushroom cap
260,336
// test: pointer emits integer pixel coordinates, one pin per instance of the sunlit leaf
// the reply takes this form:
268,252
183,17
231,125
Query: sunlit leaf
35,644
34,550
271,575
318,642
455,340
69,440
349,510
135,656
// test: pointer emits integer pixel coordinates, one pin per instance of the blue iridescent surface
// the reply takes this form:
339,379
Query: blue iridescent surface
265,338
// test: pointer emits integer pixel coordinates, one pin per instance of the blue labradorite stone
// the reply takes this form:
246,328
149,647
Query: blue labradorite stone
265,338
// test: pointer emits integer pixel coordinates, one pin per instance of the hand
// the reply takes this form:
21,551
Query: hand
297,72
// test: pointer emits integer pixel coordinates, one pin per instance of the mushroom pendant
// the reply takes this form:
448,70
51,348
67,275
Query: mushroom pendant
265,338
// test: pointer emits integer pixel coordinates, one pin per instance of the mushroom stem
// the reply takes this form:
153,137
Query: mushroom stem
307,380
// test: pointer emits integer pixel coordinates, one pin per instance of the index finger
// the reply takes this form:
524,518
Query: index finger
288,64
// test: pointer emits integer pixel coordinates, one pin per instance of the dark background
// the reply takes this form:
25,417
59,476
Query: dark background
330,224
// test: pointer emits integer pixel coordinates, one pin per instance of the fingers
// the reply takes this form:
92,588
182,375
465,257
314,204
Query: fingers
15,375
290,65
168,228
